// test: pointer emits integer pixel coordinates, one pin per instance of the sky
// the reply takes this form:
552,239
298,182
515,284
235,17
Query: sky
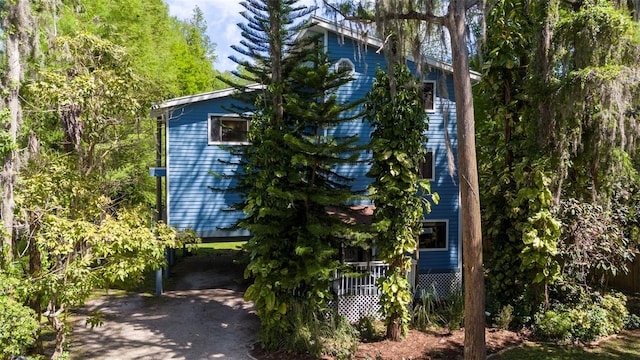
222,17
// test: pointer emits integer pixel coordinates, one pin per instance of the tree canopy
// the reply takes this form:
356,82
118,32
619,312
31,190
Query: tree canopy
78,80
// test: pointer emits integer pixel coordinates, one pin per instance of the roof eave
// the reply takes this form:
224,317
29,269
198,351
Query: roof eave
159,109
375,42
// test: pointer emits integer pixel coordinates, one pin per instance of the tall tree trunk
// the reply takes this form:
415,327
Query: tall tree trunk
35,270
276,48
474,318
15,24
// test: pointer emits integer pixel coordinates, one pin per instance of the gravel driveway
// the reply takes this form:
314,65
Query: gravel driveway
201,316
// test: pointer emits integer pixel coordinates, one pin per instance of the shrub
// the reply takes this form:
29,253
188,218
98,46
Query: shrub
553,325
425,311
18,327
615,305
632,322
589,323
367,329
454,311
319,332
341,341
504,318
587,320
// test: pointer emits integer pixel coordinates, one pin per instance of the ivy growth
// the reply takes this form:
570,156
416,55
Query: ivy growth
395,111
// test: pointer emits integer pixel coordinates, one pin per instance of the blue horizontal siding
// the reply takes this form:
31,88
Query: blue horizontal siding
191,159
444,183
191,202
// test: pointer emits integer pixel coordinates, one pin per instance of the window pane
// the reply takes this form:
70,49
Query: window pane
234,130
434,235
344,65
425,168
428,95
214,130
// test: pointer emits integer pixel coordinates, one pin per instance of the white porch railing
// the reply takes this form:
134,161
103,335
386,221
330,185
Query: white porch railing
361,280
357,292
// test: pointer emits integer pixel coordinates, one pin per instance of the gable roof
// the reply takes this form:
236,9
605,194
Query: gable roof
158,109
334,26
318,24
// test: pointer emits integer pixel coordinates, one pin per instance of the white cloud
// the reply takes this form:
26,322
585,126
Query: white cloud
222,17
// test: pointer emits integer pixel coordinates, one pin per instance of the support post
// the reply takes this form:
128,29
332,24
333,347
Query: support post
158,282
159,216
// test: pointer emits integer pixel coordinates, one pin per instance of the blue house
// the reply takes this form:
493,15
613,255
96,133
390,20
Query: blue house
196,126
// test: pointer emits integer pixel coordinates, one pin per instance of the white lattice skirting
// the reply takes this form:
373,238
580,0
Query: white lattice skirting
445,284
356,306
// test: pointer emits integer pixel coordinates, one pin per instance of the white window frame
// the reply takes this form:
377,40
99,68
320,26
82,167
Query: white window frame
226,117
447,231
433,166
342,61
433,96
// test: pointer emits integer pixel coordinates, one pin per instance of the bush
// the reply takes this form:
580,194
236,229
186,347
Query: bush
319,332
632,322
553,325
504,318
18,327
454,311
585,321
341,341
425,311
367,329
615,305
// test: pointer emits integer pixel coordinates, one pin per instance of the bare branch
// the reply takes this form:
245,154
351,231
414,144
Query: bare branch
414,15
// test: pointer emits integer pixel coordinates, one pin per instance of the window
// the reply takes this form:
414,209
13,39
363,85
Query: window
429,95
228,129
344,64
434,235
426,167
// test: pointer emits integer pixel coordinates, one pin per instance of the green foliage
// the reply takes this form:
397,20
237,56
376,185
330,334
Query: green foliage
426,311
18,324
553,325
367,329
434,311
395,298
540,158
18,327
174,54
453,310
632,322
343,339
504,318
319,333
84,192
96,107
291,190
594,244
541,231
78,240
587,320
395,111
518,225
7,144
597,22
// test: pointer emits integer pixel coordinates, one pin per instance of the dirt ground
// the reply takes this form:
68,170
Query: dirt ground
202,315
435,345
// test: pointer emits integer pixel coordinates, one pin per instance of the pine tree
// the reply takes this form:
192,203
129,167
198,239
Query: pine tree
291,187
